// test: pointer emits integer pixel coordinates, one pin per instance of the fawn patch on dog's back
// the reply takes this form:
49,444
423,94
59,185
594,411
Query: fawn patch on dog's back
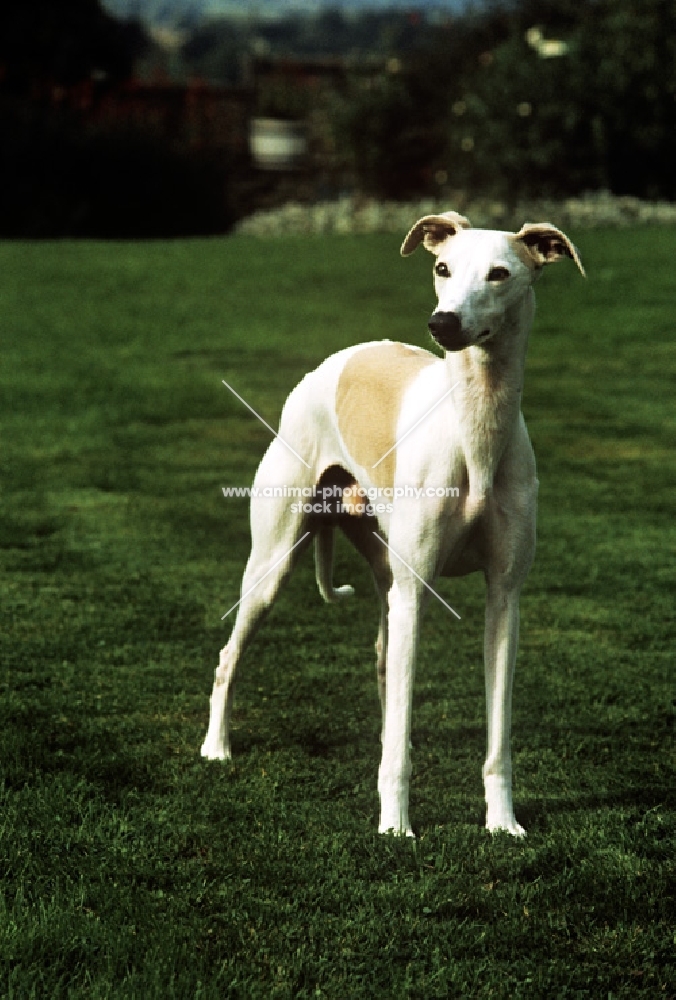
368,402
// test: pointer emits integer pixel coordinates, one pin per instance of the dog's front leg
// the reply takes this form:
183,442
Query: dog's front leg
500,645
405,601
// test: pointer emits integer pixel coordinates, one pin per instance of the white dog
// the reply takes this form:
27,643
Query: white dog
407,425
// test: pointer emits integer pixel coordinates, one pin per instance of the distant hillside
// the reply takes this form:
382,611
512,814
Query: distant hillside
191,12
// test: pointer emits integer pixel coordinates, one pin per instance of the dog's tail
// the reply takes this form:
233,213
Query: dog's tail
324,566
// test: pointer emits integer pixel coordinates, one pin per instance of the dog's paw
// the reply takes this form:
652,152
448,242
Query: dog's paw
211,751
403,832
345,591
507,826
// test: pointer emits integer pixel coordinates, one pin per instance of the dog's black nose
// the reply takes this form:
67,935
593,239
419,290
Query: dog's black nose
446,329
444,323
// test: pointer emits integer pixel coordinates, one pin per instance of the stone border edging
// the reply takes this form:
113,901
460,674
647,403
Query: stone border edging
358,215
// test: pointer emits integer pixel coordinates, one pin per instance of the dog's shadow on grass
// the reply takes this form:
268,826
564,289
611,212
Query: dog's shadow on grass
537,814
312,741
116,763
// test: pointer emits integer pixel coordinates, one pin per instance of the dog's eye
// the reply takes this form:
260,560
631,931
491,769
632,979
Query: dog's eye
441,270
498,274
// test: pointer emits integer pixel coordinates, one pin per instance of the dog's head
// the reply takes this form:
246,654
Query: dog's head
480,275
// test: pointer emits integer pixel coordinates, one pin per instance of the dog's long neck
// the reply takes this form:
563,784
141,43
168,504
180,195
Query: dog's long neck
488,398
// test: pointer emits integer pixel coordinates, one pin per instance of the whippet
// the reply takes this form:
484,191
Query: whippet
397,422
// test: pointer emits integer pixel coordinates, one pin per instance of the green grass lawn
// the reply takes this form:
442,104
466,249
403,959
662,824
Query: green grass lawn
130,867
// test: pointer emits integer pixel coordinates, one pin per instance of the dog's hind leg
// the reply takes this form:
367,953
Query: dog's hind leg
280,532
382,587
360,531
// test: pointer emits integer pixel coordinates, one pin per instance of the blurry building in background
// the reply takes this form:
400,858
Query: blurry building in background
272,131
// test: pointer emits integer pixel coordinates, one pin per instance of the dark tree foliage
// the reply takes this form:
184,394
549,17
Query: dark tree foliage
481,104
63,42
57,180
59,175
633,56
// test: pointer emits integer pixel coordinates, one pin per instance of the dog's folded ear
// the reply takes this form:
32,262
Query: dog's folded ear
432,231
546,244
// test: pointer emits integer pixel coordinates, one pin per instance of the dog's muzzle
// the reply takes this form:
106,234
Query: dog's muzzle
446,329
